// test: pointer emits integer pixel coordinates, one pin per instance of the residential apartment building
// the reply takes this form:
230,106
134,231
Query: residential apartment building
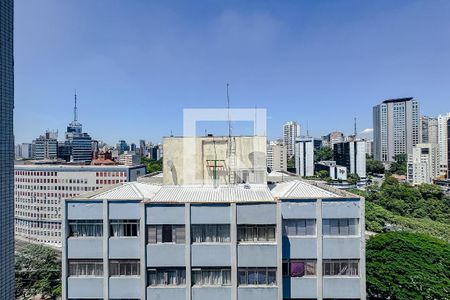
448,148
291,131
429,133
6,149
304,157
276,157
352,155
46,146
423,164
396,125
24,150
443,146
39,189
129,159
139,240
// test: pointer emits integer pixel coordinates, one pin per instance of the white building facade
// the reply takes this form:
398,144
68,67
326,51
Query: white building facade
423,164
291,131
39,190
443,144
276,157
304,157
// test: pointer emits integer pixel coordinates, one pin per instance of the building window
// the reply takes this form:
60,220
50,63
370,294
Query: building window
340,227
166,276
124,267
165,234
93,267
211,233
257,276
85,228
124,228
299,227
256,233
340,267
211,276
299,268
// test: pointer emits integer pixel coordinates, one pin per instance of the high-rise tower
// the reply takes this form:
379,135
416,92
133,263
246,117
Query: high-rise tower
6,150
396,127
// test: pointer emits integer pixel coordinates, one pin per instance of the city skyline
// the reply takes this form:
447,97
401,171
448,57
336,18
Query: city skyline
295,60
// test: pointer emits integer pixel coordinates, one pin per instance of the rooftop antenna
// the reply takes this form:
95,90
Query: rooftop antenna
228,107
307,129
355,128
75,117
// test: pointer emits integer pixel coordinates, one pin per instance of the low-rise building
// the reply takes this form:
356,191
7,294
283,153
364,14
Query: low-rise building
129,159
213,240
335,171
40,188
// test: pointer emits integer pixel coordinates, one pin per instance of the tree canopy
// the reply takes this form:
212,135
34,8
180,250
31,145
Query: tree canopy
403,265
374,166
152,165
399,165
38,272
424,201
324,153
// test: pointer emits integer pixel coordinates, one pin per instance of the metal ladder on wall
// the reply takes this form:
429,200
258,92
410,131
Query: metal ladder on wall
231,160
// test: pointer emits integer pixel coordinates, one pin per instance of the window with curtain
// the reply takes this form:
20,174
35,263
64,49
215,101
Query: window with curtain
85,267
256,233
85,228
299,227
166,276
340,227
210,233
341,267
124,228
165,234
299,267
211,276
257,276
124,267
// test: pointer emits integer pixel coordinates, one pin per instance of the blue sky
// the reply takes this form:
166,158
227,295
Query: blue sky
136,64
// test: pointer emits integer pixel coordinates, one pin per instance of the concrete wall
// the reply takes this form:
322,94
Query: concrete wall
231,254
193,168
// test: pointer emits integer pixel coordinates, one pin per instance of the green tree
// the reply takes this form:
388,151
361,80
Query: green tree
152,165
324,153
353,178
38,272
399,165
406,266
291,162
374,166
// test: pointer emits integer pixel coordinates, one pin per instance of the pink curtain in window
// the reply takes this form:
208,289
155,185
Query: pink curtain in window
297,269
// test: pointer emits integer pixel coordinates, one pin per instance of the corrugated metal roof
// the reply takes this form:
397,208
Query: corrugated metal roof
296,189
207,193
125,191
299,189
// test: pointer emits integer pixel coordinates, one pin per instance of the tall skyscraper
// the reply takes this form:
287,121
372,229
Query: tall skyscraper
304,157
396,127
428,130
80,142
291,131
443,145
6,150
